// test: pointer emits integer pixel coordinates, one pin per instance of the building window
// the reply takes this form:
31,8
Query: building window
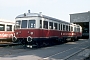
45,24
50,25
2,27
9,27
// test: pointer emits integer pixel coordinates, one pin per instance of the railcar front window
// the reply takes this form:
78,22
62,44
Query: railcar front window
31,24
18,23
24,24
78,29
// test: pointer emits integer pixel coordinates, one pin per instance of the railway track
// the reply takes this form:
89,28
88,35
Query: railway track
65,51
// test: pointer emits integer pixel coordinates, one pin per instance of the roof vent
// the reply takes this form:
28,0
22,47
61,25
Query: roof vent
28,11
40,13
24,14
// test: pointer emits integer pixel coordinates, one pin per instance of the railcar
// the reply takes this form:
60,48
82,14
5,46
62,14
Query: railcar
6,30
38,30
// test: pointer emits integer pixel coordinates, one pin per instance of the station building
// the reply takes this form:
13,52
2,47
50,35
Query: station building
82,19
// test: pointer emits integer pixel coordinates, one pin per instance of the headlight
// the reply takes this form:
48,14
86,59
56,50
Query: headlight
16,33
29,39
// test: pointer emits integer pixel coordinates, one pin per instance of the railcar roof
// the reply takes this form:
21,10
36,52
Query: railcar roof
7,21
27,15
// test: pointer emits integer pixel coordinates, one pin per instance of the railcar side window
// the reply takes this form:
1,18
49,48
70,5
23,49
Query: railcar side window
63,27
40,23
71,28
75,29
59,26
45,24
18,23
55,25
24,24
9,27
31,24
66,27
50,25
2,27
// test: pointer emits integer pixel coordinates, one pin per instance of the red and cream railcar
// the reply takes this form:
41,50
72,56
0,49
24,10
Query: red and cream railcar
6,29
35,29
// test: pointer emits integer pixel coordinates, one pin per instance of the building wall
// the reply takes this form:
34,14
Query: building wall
81,18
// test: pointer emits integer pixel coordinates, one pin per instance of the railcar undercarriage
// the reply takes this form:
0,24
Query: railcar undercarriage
42,42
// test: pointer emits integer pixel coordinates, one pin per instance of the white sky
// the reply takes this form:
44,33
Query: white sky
59,9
